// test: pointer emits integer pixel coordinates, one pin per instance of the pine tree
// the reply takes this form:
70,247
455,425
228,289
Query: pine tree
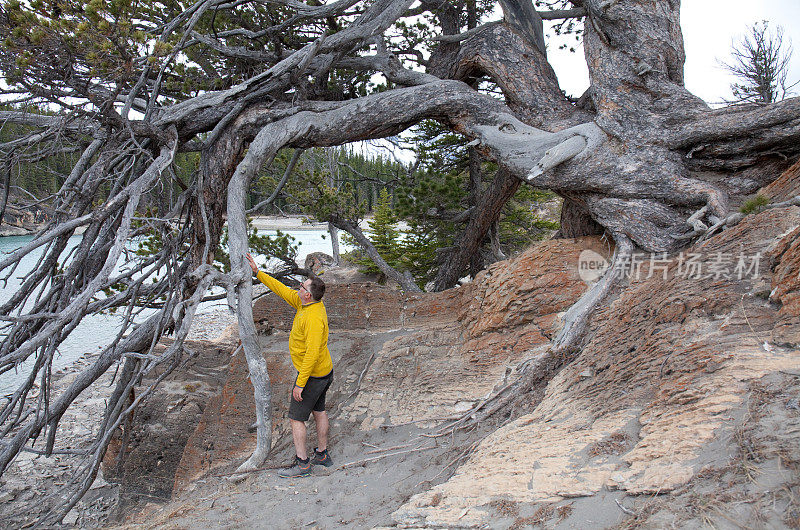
384,235
761,64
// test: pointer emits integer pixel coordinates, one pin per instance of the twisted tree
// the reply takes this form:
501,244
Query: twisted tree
133,83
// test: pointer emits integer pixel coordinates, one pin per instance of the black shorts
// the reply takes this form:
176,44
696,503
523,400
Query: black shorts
313,397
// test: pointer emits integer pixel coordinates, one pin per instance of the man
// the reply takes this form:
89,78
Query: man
308,345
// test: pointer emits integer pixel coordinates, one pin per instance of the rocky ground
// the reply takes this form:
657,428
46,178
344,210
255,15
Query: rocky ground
33,477
680,410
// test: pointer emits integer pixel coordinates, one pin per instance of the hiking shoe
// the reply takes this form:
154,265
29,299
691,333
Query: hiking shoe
298,469
321,458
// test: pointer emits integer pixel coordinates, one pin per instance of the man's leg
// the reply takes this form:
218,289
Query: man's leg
299,437
302,464
321,419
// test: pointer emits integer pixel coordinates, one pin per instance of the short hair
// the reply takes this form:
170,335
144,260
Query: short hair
317,288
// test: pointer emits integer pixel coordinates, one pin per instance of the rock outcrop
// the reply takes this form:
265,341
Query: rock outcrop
22,220
680,408
656,395
784,187
470,340
785,257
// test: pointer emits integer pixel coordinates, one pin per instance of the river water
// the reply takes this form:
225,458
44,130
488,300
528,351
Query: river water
96,331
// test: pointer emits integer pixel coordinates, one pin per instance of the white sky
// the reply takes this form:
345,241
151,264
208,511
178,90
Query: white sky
709,28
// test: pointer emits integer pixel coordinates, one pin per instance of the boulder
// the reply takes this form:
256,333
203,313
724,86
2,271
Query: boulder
317,261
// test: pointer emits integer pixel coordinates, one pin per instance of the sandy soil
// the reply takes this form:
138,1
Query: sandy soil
358,496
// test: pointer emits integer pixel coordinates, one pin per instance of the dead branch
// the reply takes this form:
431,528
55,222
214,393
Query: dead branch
379,457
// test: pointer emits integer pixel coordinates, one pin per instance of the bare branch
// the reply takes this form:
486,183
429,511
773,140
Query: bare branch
467,34
286,174
577,12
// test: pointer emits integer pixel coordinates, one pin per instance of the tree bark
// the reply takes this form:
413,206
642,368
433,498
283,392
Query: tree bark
494,243
6,189
576,221
241,276
334,233
521,70
475,189
217,164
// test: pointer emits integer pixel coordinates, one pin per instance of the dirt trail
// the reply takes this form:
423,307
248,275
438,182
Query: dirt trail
403,366
402,461
360,496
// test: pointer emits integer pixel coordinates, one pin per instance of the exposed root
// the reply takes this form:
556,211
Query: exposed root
624,509
374,458
794,201
462,457
252,464
577,316
699,229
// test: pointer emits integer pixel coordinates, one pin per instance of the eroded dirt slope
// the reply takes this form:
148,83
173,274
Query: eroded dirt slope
401,365
687,387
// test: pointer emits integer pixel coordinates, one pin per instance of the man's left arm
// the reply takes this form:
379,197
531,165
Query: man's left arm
289,295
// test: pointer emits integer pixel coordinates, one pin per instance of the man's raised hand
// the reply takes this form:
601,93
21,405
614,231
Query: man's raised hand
252,263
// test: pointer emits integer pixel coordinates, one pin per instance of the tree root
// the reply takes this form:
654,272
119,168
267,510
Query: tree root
794,201
699,229
374,458
252,464
577,317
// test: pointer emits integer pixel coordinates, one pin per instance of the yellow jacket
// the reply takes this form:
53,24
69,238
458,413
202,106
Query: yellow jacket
308,341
